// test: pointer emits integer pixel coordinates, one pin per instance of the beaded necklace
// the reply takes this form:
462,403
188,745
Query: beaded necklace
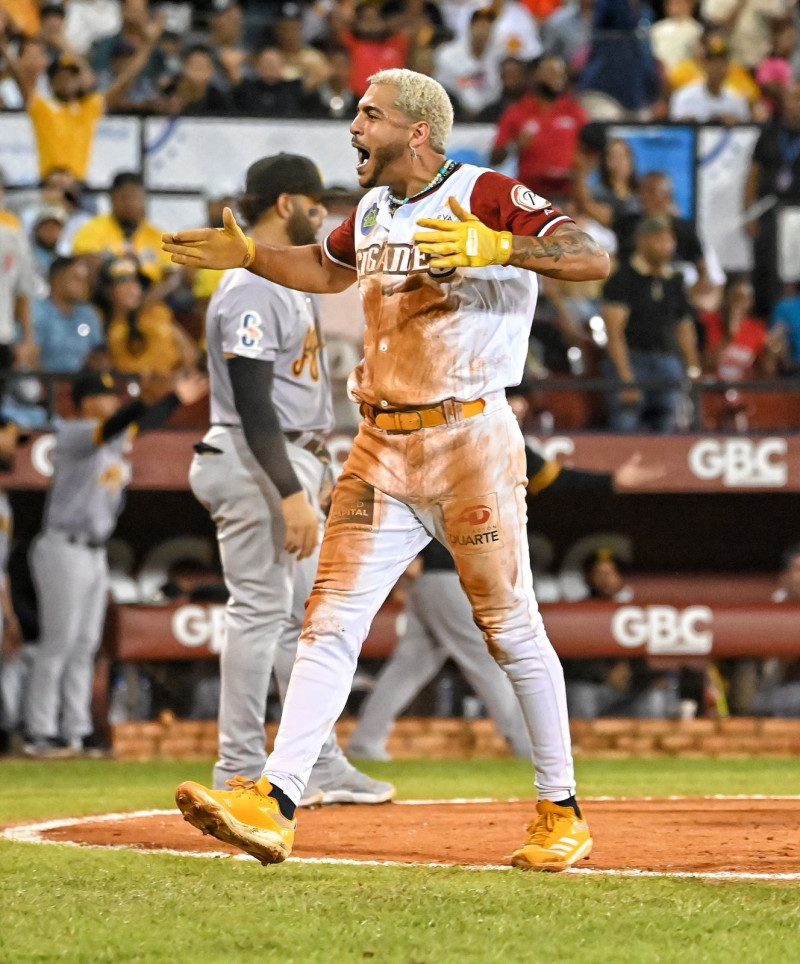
395,202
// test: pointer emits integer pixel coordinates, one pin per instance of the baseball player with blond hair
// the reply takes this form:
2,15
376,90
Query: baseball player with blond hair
446,257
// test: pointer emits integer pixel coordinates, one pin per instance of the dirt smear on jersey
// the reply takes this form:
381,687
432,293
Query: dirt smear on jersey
667,836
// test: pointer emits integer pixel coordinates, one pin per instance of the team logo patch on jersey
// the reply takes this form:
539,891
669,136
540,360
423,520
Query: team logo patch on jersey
369,220
250,331
355,506
473,525
310,355
526,199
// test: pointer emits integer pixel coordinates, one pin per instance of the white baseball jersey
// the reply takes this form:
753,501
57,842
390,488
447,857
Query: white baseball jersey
434,334
256,318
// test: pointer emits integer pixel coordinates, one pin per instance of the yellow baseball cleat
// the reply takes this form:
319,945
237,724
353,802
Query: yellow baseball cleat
245,816
558,838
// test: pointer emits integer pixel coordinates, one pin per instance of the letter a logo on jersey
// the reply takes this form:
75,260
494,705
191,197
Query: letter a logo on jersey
526,199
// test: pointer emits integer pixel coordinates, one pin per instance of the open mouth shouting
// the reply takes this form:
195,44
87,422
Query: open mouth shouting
363,157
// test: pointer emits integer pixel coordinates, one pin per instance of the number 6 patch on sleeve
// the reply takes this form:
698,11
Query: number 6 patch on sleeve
250,333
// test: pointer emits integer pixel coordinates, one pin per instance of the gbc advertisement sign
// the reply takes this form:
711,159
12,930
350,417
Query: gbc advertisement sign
194,626
664,630
741,462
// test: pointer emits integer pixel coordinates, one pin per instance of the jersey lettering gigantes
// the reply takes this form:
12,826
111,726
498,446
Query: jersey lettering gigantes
448,333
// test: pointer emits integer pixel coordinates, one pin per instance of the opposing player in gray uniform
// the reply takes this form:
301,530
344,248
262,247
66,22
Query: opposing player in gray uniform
68,558
11,668
262,471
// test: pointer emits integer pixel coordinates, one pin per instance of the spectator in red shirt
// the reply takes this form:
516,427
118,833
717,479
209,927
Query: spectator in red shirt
544,128
369,39
735,339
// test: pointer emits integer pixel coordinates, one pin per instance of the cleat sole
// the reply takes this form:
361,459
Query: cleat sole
556,866
207,816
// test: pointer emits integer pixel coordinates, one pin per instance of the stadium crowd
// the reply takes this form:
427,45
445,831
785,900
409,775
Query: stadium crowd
85,284
549,76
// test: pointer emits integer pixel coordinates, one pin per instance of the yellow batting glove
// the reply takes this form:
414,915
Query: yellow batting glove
466,243
217,248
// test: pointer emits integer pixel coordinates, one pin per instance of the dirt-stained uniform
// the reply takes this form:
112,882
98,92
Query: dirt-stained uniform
440,345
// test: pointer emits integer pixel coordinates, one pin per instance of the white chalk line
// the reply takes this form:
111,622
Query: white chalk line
34,833
669,799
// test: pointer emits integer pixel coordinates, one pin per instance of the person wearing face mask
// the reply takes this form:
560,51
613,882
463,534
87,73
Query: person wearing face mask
543,129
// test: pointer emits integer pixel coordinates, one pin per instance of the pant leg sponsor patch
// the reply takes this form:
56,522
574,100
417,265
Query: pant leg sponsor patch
473,525
355,505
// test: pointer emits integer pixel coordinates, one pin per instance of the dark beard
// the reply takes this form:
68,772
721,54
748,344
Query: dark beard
300,229
383,157
128,227
546,92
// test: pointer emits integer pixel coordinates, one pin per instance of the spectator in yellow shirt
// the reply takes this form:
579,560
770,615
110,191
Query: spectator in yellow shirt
738,79
23,15
64,125
7,218
125,231
142,335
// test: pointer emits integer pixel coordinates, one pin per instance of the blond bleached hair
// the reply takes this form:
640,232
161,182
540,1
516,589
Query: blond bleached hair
420,97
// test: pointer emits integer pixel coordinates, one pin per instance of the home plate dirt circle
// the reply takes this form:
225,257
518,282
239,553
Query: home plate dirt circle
717,837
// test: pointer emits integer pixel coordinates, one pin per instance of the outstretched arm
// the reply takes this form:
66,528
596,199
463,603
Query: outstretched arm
568,253
304,268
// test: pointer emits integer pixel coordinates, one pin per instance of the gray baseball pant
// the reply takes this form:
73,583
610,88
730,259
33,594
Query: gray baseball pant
439,624
71,582
268,590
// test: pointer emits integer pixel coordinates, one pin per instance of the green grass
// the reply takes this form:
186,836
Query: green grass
30,790
61,904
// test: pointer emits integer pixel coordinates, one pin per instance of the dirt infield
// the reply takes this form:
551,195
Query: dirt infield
705,836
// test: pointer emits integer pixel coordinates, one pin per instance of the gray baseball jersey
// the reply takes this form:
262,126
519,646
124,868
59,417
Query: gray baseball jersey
16,278
255,318
89,482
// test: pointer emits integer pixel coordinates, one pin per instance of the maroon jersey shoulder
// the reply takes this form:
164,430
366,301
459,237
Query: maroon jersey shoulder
340,246
504,204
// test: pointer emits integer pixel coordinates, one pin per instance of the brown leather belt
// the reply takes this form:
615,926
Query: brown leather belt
315,445
411,420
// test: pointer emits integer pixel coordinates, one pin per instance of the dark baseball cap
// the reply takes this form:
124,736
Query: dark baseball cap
63,62
280,174
90,383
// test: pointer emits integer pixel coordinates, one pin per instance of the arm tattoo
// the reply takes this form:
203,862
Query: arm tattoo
567,242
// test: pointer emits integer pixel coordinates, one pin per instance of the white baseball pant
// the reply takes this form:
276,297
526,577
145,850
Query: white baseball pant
439,625
463,482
